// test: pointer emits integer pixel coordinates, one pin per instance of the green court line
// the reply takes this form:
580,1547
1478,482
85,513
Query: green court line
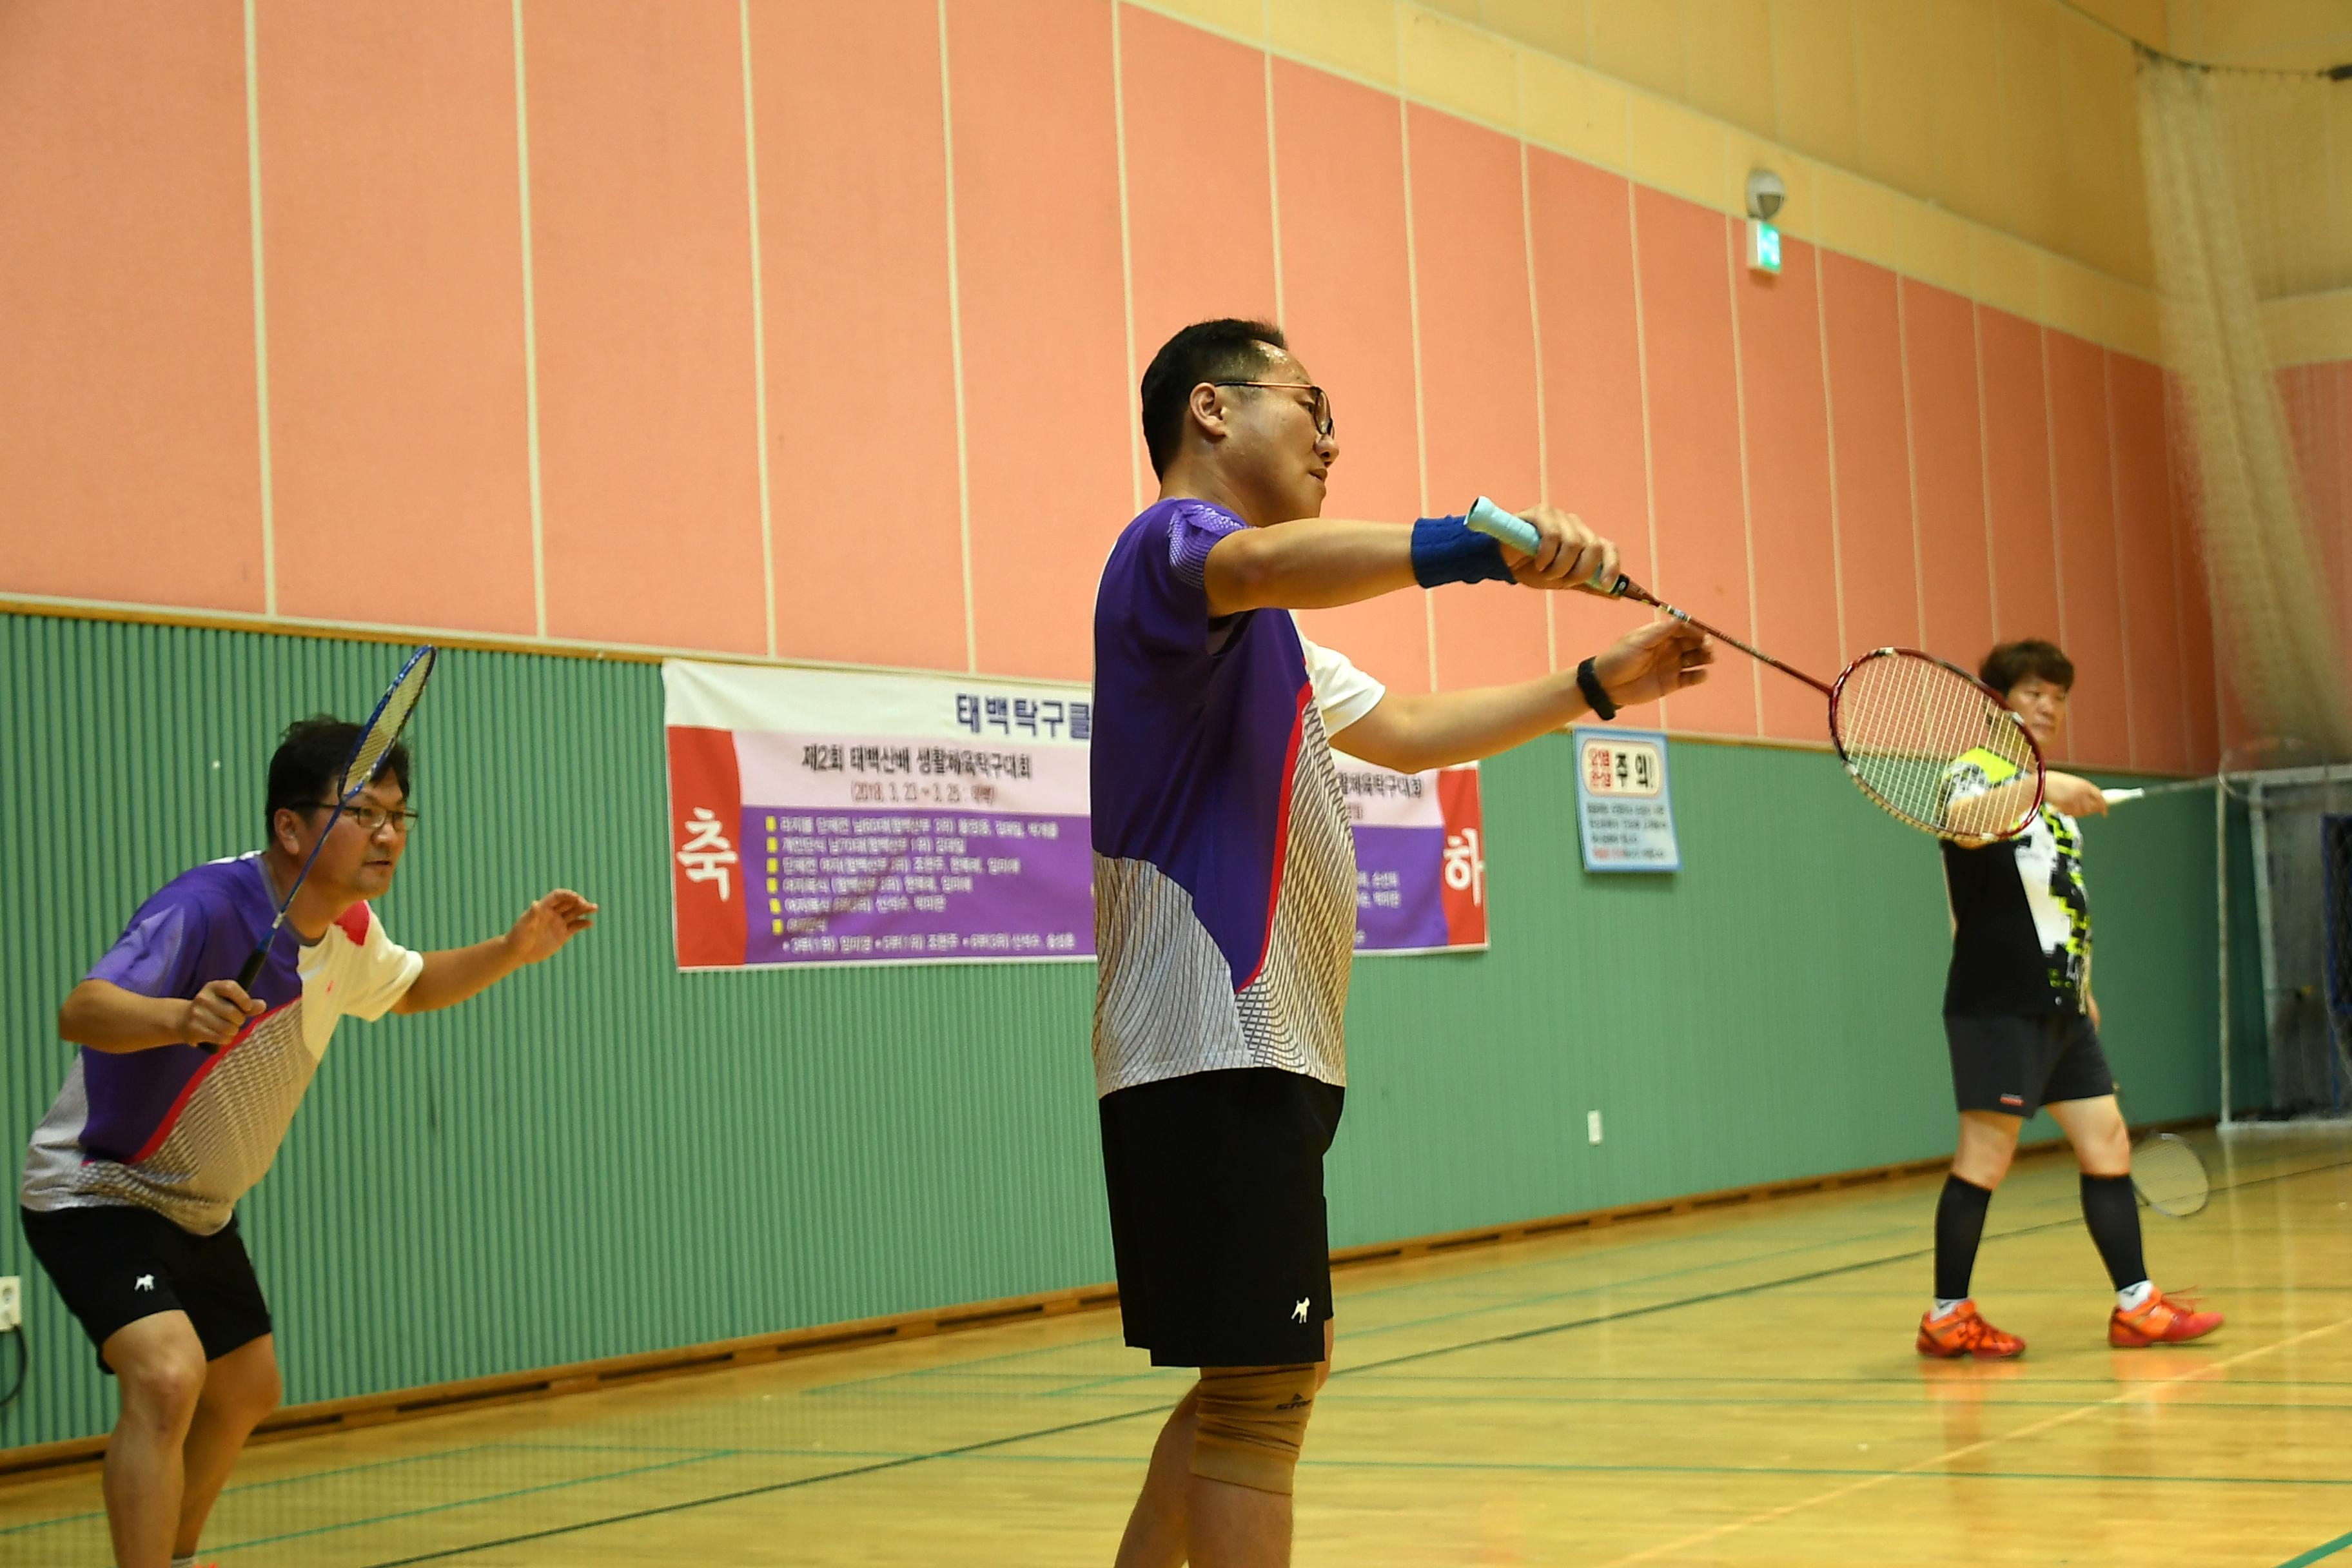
465,1502
305,1478
2324,1549
986,1446
1911,1256
1563,1465
957,1452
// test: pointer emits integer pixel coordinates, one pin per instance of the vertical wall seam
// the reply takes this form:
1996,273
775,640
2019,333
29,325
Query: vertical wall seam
1413,299
530,339
1273,176
261,311
1642,369
2057,521
1911,460
759,338
1747,501
1125,246
1984,470
2174,528
1829,430
1535,333
955,348
2115,524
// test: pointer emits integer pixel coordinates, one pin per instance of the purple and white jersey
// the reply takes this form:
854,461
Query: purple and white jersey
184,1131
1225,870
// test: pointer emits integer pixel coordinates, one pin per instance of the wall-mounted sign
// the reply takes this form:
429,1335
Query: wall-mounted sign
1623,807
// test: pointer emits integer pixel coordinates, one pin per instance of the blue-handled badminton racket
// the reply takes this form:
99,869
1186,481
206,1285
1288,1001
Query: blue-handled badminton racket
1902,720
377,737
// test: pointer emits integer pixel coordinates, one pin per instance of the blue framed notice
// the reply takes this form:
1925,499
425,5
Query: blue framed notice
1624,810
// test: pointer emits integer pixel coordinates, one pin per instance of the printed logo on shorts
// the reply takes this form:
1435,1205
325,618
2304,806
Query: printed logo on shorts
2018,1099
1299,1313
144,1282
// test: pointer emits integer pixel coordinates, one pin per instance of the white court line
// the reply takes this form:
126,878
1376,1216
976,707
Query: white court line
2135,1392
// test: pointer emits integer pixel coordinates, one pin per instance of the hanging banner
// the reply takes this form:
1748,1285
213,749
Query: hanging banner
823,817
1421,858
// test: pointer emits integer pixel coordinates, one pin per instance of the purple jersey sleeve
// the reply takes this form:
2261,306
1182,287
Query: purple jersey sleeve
159,955
1193,530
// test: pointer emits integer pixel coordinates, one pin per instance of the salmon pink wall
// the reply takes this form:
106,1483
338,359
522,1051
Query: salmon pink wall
813,331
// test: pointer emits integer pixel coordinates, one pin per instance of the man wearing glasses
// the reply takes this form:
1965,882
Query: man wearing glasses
177,1100
1225,893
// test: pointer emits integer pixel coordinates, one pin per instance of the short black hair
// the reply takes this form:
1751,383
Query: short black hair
2011,662
309,761
1227,349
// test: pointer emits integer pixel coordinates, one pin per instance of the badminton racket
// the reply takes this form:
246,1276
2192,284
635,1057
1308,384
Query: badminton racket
2169,1175
377,737
1906,724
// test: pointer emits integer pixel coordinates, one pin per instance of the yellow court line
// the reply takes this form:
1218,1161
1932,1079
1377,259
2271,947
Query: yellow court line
2138,1390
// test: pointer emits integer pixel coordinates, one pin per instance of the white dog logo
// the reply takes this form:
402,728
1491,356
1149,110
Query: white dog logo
147,1282
1299,1313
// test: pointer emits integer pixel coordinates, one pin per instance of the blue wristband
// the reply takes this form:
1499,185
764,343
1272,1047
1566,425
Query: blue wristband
1446,549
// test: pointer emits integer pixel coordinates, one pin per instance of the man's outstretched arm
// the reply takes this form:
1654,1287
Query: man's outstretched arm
1412,732
1316,564
455,974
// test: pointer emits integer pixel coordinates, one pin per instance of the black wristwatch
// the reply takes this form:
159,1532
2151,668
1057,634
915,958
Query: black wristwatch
1588,682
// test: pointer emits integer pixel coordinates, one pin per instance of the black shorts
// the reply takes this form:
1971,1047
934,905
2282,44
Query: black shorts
115,1265
1217,1217
2017,1065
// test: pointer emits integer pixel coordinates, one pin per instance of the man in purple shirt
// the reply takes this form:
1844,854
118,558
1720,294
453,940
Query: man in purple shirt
1225,894
178,1099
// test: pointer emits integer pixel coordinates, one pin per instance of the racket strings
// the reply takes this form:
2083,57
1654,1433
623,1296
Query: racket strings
1916,732
391,718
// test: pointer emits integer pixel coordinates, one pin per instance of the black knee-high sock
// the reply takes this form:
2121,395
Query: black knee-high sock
1959,1226
2112,1215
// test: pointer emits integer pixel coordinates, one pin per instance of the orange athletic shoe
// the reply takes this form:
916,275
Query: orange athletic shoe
1962,1332
2160,1321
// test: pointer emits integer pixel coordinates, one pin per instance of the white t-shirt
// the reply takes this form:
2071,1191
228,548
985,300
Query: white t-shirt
1343,693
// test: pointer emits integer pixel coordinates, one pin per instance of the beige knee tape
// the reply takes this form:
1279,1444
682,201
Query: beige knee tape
1251,1425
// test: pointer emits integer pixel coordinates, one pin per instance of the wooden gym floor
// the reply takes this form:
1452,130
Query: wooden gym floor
1735,1386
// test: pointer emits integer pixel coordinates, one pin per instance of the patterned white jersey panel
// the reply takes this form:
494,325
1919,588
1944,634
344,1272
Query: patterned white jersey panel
222,1143
1165,1005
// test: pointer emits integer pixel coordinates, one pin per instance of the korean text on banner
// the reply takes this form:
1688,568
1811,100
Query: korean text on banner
822,816
1421,858
843,817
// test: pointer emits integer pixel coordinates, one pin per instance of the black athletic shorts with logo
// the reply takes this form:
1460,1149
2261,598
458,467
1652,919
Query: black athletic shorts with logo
116,1264
1217,1218
2017,1065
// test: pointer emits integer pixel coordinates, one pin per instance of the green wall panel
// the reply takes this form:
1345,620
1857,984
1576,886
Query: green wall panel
604,1156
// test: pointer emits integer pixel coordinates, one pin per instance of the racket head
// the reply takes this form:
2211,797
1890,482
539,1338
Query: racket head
2169,1174
1904,721
382,730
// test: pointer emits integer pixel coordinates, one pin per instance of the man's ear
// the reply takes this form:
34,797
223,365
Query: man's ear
1206,411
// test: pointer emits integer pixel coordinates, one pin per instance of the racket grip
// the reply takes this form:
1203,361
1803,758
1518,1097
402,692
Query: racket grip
2112,795
1485,517
252,970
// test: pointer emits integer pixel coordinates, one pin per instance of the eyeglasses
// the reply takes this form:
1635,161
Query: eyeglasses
372,820
1318,404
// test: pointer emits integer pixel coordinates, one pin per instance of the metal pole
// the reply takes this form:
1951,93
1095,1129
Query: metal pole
2258,823
2221,920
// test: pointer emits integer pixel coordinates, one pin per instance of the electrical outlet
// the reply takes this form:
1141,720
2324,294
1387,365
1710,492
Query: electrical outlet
12,1302
1593,1126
